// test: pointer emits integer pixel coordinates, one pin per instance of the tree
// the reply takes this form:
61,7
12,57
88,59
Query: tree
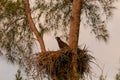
17,23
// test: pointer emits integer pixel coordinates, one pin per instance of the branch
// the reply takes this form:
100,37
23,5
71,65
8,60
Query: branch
33,27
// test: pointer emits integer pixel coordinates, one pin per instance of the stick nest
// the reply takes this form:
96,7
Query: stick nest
59,63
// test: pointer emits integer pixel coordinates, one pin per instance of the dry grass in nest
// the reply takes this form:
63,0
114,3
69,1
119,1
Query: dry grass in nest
59,63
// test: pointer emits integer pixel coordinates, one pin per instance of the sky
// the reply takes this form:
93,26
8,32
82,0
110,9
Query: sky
107,54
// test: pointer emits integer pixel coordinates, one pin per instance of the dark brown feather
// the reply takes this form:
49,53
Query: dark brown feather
61,44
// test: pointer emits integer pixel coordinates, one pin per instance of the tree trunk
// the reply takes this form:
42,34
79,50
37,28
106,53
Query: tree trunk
74,34
33,27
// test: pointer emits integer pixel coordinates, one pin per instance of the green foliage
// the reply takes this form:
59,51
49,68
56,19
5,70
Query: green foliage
16,38
18,75
97,13
11,8
56,16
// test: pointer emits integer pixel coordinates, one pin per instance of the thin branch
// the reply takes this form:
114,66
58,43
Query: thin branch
33,27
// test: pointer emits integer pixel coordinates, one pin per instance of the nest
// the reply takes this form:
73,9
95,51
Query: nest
59,63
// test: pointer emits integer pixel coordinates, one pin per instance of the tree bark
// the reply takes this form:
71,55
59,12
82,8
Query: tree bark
33,27
74,34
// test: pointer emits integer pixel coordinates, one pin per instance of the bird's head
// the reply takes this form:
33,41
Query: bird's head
57,38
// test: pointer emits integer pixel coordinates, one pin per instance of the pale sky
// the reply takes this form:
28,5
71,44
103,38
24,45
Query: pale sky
107,54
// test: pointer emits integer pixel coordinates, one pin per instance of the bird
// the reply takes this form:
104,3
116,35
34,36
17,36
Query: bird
61,44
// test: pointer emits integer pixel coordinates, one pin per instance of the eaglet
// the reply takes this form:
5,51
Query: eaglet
61,44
